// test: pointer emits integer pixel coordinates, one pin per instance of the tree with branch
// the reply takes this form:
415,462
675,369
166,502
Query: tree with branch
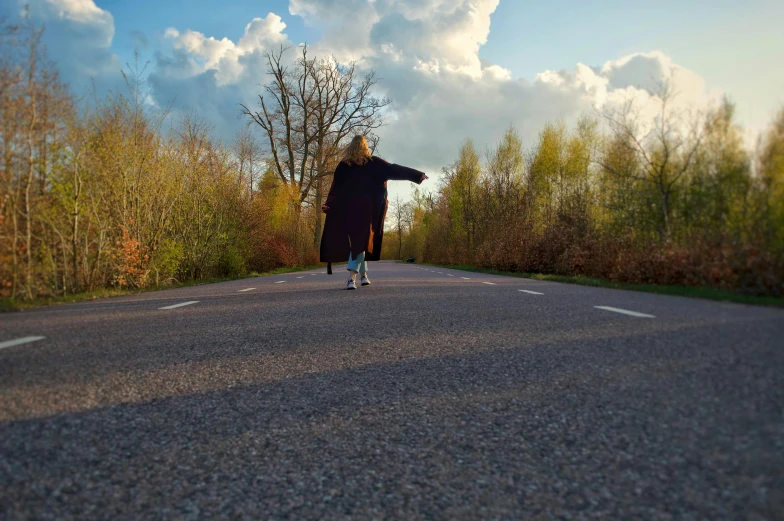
665,151
308,111
401,213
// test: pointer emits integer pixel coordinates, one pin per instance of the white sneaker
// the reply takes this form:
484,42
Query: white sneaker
365,280
351,284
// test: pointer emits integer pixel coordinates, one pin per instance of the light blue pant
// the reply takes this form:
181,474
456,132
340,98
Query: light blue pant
357,264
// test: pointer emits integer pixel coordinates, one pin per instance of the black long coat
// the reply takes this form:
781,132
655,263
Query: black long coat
357,206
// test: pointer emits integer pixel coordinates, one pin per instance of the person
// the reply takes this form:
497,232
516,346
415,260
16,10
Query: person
356,207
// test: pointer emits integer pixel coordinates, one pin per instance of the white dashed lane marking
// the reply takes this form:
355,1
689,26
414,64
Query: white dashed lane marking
20,341
247,289
625,312
180,304
490,283
466,278
301,277
280,282
531,292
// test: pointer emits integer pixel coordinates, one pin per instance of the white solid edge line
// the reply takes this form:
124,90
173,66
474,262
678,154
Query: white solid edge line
280,282
625,312
247,289
20,341
531,292
180,304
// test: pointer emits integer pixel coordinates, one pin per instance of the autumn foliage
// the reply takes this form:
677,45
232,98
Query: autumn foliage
684,204
116,193
113,193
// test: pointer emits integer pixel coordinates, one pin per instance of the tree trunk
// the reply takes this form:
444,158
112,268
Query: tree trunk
666,216
31,92
29,219
14,248
75,231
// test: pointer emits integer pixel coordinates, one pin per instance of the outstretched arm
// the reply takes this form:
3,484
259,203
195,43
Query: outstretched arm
393,172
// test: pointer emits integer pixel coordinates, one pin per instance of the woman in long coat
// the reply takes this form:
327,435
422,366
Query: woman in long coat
356,208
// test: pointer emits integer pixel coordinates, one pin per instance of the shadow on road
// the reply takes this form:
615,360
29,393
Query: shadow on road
619,425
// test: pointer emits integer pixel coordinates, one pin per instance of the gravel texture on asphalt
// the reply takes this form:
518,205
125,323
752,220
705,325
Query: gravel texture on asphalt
422,396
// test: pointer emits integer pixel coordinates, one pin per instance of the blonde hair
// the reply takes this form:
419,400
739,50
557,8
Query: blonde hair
357,152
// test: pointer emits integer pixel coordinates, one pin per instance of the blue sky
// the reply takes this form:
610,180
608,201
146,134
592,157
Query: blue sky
526,37
218,19
558,34
725,41
713,38
455,69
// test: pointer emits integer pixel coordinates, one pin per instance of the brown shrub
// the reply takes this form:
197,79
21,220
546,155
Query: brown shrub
272,251
698,262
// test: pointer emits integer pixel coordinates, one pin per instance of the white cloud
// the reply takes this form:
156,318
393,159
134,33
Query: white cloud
425,54
79,36
647,71
347,25
81,11
440,35
223,56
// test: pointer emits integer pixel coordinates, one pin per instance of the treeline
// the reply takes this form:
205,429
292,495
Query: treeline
681,201
114,193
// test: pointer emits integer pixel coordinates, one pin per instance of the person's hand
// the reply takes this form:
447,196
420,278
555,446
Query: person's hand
324,208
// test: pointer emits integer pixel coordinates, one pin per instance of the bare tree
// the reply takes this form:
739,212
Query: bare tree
32,122
308,111
401,213
248,156
665,151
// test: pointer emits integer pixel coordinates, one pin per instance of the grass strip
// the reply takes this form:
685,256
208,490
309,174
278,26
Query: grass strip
9,304
681,291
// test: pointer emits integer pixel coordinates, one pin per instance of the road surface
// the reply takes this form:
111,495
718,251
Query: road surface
431,394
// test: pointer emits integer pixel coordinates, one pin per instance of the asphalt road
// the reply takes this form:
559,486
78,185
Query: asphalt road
431,394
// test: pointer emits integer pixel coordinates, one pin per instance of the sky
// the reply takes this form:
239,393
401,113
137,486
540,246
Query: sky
454,69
